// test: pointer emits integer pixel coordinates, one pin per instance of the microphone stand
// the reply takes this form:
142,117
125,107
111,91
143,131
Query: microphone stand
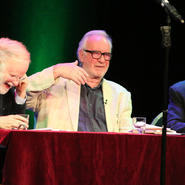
166,43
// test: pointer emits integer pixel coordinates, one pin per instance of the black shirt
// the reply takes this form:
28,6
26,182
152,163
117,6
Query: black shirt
8,105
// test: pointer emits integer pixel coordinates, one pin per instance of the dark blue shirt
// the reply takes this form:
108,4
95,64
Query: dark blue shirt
92,112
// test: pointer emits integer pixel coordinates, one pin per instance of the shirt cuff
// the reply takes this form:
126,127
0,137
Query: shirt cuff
19,100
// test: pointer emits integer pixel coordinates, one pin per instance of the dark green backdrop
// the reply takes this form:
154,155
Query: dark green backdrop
51,30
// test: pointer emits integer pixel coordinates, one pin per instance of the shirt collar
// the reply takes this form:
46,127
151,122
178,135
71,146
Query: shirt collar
97,87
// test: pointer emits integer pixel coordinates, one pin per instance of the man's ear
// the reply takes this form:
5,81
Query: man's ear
81,54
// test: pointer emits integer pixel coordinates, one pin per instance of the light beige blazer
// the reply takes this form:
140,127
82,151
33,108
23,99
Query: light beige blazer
57,103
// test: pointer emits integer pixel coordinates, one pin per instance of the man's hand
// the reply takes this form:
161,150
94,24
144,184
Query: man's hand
13,122
21,88
70,71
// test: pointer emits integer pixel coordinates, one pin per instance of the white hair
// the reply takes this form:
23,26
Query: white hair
2,69
13,50
91,33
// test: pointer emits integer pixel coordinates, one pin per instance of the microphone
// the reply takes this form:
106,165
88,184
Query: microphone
172,10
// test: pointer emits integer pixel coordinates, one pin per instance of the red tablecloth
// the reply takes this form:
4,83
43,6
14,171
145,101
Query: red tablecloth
4,134
74,158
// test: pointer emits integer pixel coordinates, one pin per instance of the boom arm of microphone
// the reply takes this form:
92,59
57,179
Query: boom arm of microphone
172,10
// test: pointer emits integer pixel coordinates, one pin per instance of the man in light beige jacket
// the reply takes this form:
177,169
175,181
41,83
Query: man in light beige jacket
76,97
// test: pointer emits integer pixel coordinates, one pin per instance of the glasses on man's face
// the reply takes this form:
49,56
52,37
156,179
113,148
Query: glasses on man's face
98,54
17,77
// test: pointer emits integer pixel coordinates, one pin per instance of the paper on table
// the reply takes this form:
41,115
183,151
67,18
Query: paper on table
47,129
152,129
158,130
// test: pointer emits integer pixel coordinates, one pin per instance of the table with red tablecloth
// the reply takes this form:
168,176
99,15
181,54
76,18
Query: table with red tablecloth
82,158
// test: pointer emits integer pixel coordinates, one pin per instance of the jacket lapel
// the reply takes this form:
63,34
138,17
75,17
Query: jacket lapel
107,98
73,95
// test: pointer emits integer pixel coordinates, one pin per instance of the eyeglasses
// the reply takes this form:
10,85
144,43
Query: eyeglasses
98,54
18,78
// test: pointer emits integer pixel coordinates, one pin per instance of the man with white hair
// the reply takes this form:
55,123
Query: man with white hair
14,63
76,96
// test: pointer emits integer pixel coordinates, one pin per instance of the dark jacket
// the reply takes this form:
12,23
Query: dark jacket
8,105
176,107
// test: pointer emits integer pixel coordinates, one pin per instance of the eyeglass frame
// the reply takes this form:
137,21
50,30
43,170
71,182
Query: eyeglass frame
92,52
18,78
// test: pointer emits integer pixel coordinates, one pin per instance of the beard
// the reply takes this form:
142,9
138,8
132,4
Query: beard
5,87
3,90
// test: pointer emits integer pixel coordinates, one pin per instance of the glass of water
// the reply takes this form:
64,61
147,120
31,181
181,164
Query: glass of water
139,123
22,126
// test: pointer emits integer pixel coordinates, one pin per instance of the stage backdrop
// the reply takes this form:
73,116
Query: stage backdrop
51,31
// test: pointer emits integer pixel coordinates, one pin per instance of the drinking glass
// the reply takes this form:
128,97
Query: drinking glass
22,125
139,123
